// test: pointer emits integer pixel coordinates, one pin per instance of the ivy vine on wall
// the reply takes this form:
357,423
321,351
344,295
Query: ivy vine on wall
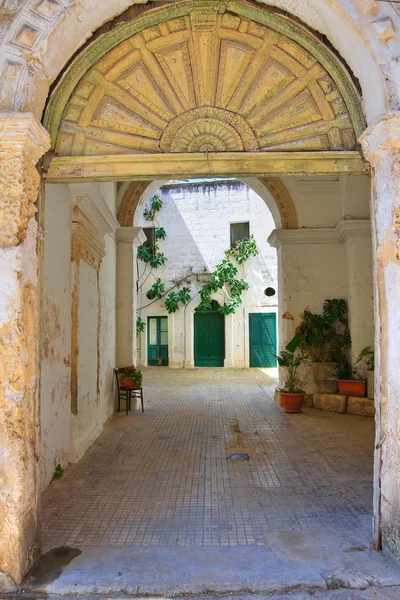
223,277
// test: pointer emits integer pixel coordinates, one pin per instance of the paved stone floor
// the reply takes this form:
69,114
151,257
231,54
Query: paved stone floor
162,478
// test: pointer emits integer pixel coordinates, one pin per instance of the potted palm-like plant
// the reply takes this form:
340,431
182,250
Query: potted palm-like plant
350,381
292,393
130,377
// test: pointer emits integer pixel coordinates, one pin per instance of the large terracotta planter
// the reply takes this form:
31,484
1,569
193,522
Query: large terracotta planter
292,403
128,382
352,387
324,377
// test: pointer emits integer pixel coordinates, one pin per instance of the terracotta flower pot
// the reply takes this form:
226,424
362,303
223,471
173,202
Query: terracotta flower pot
128,382
352,387
292,403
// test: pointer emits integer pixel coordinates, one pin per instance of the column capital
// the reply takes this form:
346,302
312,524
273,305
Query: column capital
343,231
135,235
382,137
18,129
23,141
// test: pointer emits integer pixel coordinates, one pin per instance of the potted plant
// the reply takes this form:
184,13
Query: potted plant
350,381
130,377
325,338
367,357
292,393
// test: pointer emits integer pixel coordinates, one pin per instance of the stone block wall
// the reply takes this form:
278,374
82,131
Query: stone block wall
353,405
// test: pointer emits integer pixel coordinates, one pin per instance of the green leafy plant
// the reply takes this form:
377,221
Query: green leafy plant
160,233
224,277
326,337
243,249
345,371
172,302
367,357
290,360
140,325
174,299
131,372
155,206
184,296
58,472
157,290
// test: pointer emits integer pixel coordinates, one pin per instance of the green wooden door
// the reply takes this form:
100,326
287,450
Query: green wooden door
157,333
262,334
209,338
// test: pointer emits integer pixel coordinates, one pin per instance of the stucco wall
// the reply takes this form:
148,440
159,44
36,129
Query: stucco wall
197,220
55,383
66,436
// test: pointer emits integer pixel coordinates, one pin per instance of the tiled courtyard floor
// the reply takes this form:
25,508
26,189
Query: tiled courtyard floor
162,478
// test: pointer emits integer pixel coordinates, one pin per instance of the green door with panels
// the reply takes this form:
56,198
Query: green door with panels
209,337
262,330
157,328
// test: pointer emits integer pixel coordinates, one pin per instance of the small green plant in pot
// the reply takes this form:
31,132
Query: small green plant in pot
130,377
350,380
292,392
366,359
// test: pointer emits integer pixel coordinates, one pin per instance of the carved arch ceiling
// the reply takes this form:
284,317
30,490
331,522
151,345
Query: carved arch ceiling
205,76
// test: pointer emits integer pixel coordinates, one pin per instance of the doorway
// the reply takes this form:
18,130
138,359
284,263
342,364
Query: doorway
158,341
209,337
262,339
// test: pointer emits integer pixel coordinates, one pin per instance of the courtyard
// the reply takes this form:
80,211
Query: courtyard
167,502
164,478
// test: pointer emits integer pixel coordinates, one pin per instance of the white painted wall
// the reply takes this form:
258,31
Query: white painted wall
55,391
65,437
197,220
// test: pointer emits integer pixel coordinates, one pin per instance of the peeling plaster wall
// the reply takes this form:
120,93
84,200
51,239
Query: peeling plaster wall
96,344
55,385
197,220
66,436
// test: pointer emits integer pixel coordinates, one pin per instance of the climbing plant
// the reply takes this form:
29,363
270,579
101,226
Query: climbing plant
223,277
153,256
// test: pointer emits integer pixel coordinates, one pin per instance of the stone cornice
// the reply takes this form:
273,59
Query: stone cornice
322,235
348,229
134,235
91,221
93,205
382,137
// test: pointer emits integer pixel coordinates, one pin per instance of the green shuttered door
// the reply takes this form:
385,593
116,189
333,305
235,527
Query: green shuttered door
157,328
262,329
209,339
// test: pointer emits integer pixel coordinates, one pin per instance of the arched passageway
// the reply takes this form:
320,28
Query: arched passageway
154,95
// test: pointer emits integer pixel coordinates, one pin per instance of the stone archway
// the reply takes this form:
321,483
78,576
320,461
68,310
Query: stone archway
277,189
380,148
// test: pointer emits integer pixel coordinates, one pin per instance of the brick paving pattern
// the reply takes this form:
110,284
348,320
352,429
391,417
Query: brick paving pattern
162,478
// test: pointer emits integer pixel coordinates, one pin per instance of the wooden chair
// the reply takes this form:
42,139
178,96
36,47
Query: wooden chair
126,394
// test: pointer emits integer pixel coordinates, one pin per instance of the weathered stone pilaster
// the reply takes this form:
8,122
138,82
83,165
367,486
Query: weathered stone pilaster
381,146
128,238
22,142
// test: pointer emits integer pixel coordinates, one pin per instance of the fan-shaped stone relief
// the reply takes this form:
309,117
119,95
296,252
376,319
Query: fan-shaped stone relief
207,81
